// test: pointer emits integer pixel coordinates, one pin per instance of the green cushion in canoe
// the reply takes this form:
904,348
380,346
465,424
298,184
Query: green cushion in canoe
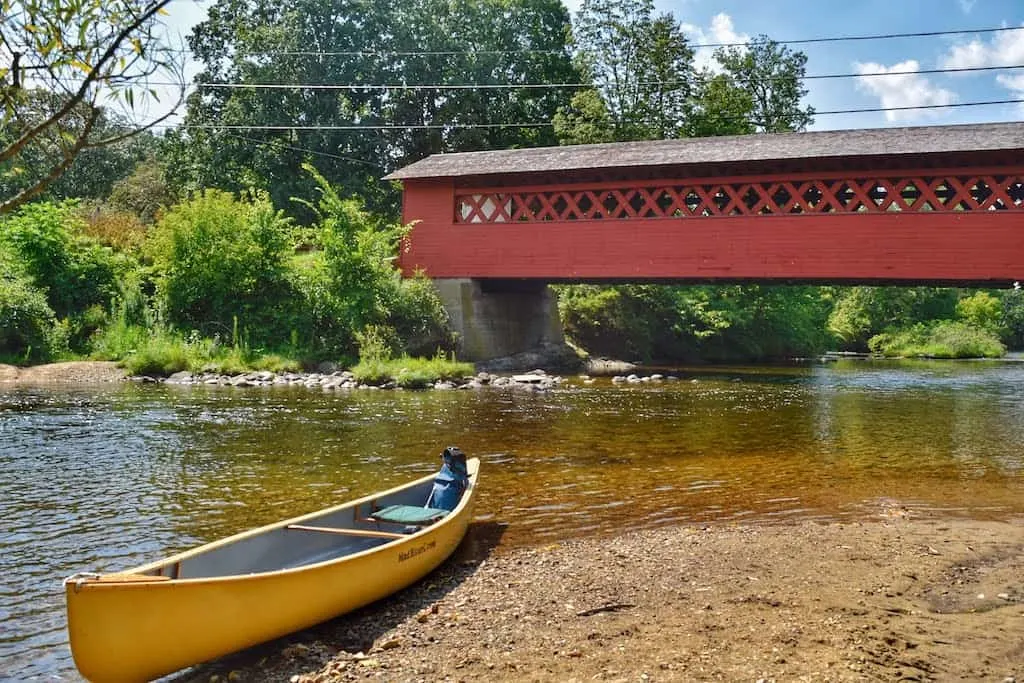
408,514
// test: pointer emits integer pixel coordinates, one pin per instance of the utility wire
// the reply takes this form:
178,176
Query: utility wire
539,86
280,145
535,86
443,53
544,124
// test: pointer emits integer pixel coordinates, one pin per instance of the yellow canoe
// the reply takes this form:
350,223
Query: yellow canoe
243,590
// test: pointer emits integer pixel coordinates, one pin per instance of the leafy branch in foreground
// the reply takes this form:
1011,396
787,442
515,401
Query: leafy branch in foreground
59,60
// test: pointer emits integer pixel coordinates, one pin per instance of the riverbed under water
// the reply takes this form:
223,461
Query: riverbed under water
104,477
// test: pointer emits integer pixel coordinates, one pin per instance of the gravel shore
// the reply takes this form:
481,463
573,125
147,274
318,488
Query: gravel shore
899,599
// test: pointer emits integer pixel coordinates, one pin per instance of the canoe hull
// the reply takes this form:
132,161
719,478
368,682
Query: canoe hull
140,630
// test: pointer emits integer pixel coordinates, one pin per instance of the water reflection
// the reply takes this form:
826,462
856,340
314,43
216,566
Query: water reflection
104,478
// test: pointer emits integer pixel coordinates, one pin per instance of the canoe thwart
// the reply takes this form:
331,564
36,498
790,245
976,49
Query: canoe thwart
346,532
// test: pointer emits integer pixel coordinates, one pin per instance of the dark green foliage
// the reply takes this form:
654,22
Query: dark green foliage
221,268
490,41
28,326
674,324
419,319
1013,318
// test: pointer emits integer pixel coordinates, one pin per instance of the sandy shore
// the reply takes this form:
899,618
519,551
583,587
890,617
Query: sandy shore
901,599
71,371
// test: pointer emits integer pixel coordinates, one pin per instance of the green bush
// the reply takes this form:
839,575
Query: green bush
419,318
939,339
73,270
28,327
221,264
354,284
161,354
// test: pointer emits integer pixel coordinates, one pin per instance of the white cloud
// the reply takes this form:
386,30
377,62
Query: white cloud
1005,48
1012,82
894,88
720,31
967,5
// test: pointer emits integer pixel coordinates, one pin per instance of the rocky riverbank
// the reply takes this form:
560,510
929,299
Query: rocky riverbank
327,380
896,599
341,380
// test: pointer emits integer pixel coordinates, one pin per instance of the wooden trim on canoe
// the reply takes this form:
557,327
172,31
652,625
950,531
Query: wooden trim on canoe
130,578
347,532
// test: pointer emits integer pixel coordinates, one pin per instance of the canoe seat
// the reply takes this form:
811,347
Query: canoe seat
408,514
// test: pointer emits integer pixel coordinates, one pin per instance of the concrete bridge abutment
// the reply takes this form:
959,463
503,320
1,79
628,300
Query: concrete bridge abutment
506,324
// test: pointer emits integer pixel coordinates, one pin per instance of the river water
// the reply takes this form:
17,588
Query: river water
107,477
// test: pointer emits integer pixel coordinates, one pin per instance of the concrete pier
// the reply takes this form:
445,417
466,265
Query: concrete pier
505,324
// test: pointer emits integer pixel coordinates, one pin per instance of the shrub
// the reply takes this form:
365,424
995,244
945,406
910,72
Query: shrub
940,339
357,281
144,193
419,318
863,312
28,326
78,276
220,262
113,227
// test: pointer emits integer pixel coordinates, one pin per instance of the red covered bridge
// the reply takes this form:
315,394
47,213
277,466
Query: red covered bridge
942,204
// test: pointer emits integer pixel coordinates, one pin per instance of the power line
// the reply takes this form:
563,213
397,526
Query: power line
553,86
281,145
450,53
540,86
545,124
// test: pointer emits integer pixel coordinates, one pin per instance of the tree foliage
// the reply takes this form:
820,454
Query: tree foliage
362,45
860,313
642,70
80,53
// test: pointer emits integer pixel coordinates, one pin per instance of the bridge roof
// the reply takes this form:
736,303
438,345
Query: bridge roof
883,142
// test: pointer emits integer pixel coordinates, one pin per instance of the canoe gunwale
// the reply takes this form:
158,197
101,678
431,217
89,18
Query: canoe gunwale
108,581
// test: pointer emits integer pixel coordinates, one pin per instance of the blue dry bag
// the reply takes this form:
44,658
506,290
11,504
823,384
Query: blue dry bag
451,481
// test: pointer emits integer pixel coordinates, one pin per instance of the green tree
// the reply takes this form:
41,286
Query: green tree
362,45
765,77
719,107
642,69
80,53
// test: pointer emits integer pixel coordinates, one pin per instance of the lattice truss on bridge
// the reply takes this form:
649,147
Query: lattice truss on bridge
711,198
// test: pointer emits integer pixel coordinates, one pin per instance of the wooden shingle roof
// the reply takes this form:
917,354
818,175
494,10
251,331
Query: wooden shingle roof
727,149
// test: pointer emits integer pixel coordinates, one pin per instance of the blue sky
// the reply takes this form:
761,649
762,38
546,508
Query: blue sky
737,20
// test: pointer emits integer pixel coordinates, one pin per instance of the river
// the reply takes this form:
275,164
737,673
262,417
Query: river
103,477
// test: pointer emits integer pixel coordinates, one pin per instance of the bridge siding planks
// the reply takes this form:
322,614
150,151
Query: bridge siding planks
947,246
